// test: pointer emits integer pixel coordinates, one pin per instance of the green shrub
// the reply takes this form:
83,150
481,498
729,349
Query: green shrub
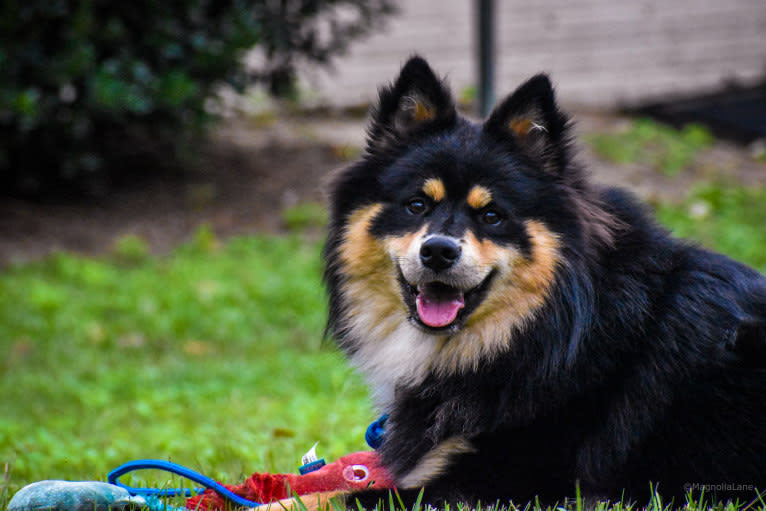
89,87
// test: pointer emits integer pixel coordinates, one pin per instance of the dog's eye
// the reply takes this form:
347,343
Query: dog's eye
417,206
491,217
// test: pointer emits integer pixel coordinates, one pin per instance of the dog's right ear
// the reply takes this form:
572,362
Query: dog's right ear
531,120
417,102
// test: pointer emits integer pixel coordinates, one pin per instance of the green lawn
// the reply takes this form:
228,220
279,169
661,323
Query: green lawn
665,148
211,356
728,218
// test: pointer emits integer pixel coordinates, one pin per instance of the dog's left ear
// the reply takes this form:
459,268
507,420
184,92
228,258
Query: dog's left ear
417,102
531,119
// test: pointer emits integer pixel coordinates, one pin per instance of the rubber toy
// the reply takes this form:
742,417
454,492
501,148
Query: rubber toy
74,496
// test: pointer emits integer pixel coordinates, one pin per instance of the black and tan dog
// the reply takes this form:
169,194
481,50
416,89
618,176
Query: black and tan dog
526,330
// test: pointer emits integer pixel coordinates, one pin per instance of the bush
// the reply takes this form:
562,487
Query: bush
91,86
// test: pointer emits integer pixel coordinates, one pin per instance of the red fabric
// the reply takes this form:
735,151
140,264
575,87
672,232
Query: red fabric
346,474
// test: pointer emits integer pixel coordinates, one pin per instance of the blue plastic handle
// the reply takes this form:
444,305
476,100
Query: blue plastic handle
375,432
174,468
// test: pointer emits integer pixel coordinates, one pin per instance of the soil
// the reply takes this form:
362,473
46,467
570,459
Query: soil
241,180
248,172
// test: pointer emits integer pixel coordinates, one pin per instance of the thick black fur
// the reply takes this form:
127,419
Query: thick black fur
647,362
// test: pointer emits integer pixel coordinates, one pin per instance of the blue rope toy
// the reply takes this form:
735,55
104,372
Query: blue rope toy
174,468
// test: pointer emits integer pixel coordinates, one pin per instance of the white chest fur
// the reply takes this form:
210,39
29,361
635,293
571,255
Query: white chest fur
400,359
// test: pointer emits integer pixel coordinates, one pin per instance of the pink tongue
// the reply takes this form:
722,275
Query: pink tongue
438,311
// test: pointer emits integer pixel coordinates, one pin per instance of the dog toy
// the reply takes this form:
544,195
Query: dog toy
356,471
75,496
317,481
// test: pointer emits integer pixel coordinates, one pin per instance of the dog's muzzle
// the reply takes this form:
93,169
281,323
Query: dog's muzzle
440,283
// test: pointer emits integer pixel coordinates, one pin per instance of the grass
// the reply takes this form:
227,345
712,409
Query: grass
212,356
132,356
725,217
651,143
305,216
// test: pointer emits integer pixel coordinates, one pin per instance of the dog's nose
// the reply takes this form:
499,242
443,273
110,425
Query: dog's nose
439,253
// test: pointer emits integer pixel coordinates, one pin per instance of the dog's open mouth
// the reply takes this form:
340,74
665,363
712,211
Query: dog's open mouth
439,307
438,304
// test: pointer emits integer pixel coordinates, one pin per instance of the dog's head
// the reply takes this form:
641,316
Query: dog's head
446,237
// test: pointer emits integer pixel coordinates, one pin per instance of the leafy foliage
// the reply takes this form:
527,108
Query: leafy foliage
90,86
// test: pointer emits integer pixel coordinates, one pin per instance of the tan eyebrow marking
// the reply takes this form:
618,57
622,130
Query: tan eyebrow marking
434,188
479,197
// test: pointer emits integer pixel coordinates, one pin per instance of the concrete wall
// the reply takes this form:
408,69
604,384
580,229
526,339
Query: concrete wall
600,53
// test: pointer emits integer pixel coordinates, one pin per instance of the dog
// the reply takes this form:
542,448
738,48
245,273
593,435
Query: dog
528,333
